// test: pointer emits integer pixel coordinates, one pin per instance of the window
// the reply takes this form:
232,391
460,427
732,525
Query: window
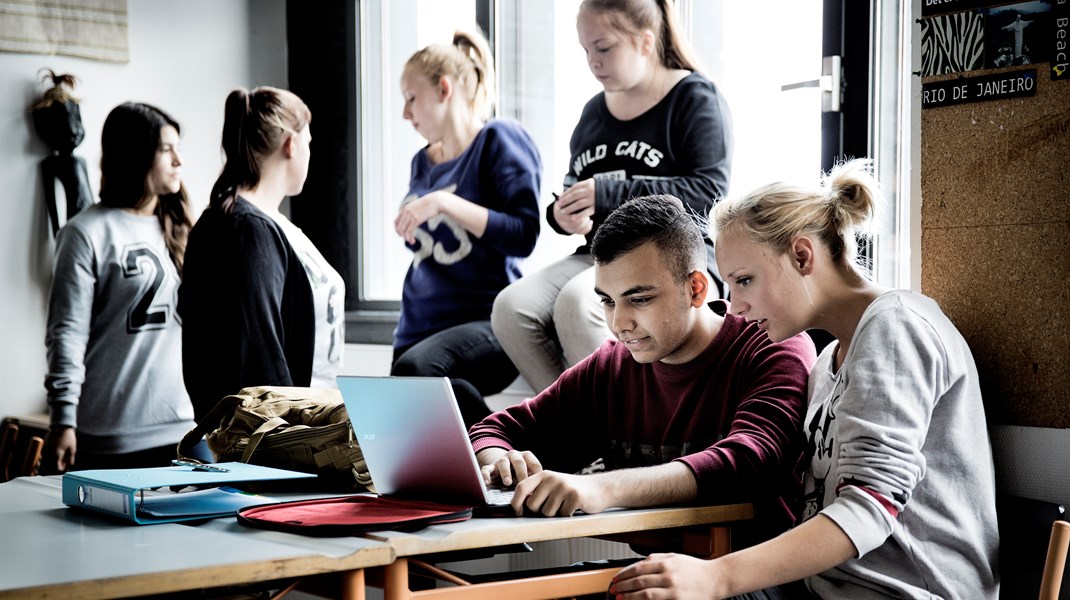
390,32
777,133
543,82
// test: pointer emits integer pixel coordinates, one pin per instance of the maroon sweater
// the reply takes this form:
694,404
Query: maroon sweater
733,415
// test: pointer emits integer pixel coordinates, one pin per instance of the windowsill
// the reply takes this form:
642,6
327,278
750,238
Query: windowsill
371,326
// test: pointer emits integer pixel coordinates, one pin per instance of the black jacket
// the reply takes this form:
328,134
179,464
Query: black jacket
246,307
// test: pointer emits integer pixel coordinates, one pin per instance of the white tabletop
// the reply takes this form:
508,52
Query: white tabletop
48,548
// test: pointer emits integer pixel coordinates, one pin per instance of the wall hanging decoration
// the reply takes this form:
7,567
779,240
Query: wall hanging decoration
952,43
1018,34
58,122
93,29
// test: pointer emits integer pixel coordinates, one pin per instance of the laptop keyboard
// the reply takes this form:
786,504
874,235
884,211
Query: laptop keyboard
498,495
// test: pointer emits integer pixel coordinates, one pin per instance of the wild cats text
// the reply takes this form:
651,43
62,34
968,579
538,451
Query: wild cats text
633,148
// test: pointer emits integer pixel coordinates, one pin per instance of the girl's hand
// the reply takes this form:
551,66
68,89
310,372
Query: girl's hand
666,576
416,213
60,447
574,208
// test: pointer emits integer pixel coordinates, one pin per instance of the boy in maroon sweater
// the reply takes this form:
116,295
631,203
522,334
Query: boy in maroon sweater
685,405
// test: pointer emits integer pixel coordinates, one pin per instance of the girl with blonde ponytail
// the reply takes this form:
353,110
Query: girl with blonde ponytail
899,491
471,214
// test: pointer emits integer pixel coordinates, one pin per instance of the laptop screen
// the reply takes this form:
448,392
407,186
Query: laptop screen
413,438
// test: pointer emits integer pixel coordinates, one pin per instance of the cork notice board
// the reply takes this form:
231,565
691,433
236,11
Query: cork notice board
995,227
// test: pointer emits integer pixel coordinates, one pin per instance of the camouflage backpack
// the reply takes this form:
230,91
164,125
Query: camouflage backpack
295,428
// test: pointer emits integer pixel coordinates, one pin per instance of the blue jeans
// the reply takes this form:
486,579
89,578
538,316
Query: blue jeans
470,356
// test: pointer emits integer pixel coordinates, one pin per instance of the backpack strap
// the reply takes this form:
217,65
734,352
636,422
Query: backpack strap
208,424
254,440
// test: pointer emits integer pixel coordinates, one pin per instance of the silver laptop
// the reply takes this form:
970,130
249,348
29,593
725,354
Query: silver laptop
414,440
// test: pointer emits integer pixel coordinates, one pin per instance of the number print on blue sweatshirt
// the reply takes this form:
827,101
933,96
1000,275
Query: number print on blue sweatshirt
439,226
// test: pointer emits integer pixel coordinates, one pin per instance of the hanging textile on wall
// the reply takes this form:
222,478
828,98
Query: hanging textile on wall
94,29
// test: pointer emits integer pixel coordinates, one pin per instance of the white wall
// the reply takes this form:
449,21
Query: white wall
184,57
367,359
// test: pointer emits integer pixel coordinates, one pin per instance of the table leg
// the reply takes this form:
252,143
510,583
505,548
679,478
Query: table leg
353,584
715,542
396,580
721,541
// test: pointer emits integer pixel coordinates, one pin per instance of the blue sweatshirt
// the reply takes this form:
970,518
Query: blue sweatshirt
455,276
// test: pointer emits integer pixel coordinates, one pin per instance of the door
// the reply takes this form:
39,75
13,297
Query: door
846,34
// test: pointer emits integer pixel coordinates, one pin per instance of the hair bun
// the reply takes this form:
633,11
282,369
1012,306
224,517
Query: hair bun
853,193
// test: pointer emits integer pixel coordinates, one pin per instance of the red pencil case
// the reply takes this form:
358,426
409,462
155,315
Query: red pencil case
350,515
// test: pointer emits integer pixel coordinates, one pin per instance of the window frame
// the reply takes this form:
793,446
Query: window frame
374,321
367,321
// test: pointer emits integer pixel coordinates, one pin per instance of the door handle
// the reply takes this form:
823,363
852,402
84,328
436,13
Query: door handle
830,84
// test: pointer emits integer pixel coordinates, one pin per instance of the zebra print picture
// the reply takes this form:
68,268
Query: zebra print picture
952,43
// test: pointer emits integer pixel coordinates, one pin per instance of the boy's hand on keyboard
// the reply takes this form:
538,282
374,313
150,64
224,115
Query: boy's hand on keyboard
507,468
554,494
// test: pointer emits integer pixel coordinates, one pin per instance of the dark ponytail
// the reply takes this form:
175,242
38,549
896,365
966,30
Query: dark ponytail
676,53
239,166
255,123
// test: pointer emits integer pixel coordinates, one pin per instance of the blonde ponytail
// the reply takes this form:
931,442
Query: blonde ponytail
841,208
